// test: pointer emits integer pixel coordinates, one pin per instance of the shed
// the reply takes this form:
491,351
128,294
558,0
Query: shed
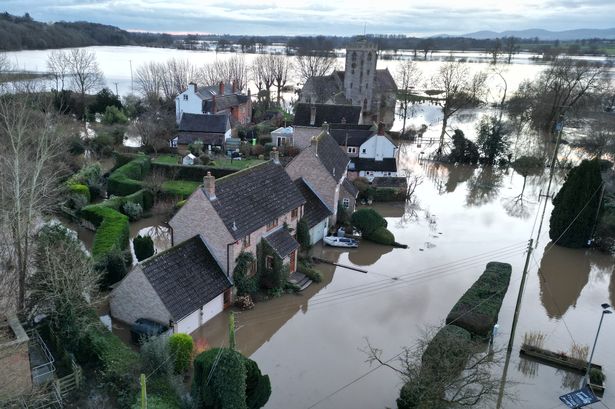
188,159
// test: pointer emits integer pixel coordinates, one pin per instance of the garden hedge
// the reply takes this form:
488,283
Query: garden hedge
113,232
180,346
367,221
477,310
194,173
80,189
382,235
128,178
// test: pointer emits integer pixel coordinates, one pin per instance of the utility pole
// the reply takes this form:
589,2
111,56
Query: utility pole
514,324
605,310
116,92
560,127
132,84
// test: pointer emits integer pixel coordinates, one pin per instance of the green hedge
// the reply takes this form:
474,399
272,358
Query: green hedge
80,189
477,310
382,235
180,346
183,188
143,197
387,194
367,221
194,173
128,178
113,232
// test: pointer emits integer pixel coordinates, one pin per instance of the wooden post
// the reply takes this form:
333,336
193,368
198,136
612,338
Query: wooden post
143,392
231,331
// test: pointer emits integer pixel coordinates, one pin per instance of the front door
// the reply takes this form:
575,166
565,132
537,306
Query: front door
293,260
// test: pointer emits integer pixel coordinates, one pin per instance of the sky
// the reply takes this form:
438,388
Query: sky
332,17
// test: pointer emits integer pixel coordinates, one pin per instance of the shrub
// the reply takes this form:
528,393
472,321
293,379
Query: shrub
113,263
464,150
102,144
382,235
180,346
155,402
367,221
183,188
312,274
144,247
91,176
343,215
257,150
78,189
244,284
127,178
75,145
114,116
477,310
303,234
596,376
155,355
134,211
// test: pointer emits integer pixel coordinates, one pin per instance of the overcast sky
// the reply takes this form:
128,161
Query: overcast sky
339,17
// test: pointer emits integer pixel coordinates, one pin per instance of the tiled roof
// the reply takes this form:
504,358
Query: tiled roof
324,86
314,209
350,188
253,197
185,277
385,165
352,137
384,81
330,155
213,123
208,91
225,102
326,113
186,138
281,242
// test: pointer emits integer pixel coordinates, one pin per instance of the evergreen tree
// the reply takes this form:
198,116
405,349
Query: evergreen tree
575,206
144,247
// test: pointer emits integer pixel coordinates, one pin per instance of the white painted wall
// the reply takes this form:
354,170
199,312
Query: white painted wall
201,316
189,102
318,232
377,147
370,175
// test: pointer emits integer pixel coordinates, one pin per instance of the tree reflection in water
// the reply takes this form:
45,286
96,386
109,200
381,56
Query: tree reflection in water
484,186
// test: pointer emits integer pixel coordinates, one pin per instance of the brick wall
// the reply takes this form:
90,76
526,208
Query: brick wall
15,375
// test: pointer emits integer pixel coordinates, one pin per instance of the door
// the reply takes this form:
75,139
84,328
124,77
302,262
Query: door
293,260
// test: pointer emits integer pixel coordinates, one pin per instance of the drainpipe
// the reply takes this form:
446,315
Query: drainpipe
228,260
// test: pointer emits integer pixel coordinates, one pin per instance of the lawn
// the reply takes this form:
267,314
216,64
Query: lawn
166,159
182,188
236,164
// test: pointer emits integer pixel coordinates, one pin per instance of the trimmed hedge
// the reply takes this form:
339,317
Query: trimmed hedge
367,221
312,274
183,188
80,189
388,194
113,232
382,235
195,173
128,178
181,345
477,310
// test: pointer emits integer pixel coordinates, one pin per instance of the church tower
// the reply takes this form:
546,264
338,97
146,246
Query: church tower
360,74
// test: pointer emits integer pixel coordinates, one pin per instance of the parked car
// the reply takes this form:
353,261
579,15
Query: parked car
144,328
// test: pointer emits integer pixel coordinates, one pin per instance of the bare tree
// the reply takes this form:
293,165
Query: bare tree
282,67
496,50
233,69
85,74
30,168
149,80
263,75
57,65
444,371
314,66
407,76
155,127
511,47
458,90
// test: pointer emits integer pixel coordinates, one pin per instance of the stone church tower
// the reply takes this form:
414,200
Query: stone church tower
360,74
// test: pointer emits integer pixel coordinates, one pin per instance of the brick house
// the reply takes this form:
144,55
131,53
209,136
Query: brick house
220,99
183,286
324,165
211,129
235,213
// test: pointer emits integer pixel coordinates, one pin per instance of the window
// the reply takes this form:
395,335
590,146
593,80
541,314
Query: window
346,202
351,149
294,213
252,269
364,150
185,97
269,262
246,241
272,224
351,85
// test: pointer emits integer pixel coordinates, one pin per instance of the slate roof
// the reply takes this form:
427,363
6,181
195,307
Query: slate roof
384,81
281,242
208,91
390,181
326,113
354,137
212,123
186,138
330,155
385,165
185,277
225,102
324,85
314,209
249,199
350,188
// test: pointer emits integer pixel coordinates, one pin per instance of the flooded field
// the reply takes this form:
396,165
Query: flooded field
311,344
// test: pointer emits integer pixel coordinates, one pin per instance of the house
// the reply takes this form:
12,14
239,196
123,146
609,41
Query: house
282,136
308,114
360,84
324,165
298,136
236,213
315,211
221,99
183,286
351,137
376,155
210,129
188,159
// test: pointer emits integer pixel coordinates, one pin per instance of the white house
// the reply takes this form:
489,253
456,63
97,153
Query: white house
223,98
315,211
183,287
377,157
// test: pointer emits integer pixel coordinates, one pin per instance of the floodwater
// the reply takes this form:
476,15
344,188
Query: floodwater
312,344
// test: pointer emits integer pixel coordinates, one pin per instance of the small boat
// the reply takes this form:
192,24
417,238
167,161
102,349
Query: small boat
341,242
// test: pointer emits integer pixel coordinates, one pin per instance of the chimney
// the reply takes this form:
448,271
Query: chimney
221,90
234,86
275,155
213,104
209,184
312,115
380,128
192,87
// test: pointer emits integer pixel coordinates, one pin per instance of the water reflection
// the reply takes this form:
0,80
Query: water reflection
368,253
484,186
563,274
453,174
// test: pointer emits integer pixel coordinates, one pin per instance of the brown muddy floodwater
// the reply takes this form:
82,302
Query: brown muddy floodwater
311,344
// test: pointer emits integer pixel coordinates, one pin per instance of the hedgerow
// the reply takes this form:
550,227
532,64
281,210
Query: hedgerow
128,178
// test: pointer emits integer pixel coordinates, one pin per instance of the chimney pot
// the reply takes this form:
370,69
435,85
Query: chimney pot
221,88
234,86
312,115
209,184
380,128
